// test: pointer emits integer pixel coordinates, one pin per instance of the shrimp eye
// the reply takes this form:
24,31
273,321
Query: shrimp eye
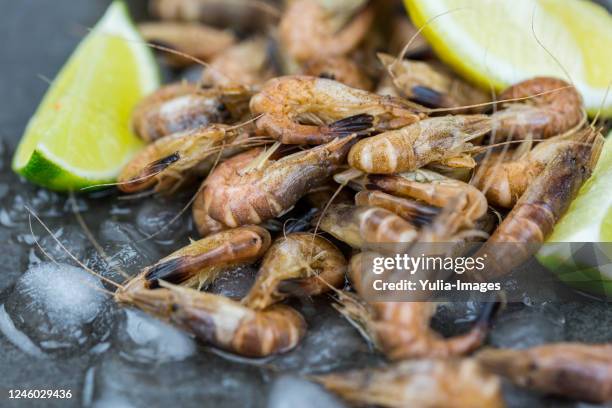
221,107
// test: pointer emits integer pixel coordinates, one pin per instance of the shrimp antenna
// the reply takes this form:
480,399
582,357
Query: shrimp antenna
535,36
46,254
70,254
166,49
601,105
91,238
404,50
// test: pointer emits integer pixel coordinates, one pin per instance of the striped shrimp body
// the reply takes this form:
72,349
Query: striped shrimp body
505,181
299,264
180,107
415,212
316,29
433,189
219,321
199,263
309,110
180,158
418,144
401,330
425,383
552,108
572,370
235,194
544,202
433,86
364,227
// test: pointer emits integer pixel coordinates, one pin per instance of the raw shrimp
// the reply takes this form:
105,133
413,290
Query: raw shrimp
299,264
196,40
220,321
418,144
557,110
235,194
434,189
416,213
287,101
180,158
426,383
316,29
401,330
537,211
433,86
341,69
505,181
573,370
247,63
199,263
182,106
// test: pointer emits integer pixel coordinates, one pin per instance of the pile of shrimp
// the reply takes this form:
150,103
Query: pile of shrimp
339,110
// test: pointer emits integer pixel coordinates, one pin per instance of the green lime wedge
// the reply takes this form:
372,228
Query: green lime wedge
80,134
498,43
586,228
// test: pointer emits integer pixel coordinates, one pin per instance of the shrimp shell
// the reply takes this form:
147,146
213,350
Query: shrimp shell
426,383
573,370
300,264
556,111
544,202
418,144
220,321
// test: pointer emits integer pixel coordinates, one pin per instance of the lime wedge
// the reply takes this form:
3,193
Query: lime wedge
586,228
492,42
80,136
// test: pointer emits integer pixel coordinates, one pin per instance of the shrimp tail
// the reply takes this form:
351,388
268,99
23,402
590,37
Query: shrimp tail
429,97
174,271
358,313
360,124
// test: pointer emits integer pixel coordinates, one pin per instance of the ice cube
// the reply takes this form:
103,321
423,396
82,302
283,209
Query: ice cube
294,392
62,309
141,337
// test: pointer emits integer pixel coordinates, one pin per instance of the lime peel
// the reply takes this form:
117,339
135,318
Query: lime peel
80,134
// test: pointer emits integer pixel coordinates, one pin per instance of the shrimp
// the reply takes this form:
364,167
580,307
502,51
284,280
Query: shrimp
234,195
434,189
194,39
299,264
426,383
177,159
418,144
416,213
363,227
401,330
432,85
182,106
247,63
573,370
199,263
558,109
287,101
219,321
316,29
505,181
544,202
341,69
